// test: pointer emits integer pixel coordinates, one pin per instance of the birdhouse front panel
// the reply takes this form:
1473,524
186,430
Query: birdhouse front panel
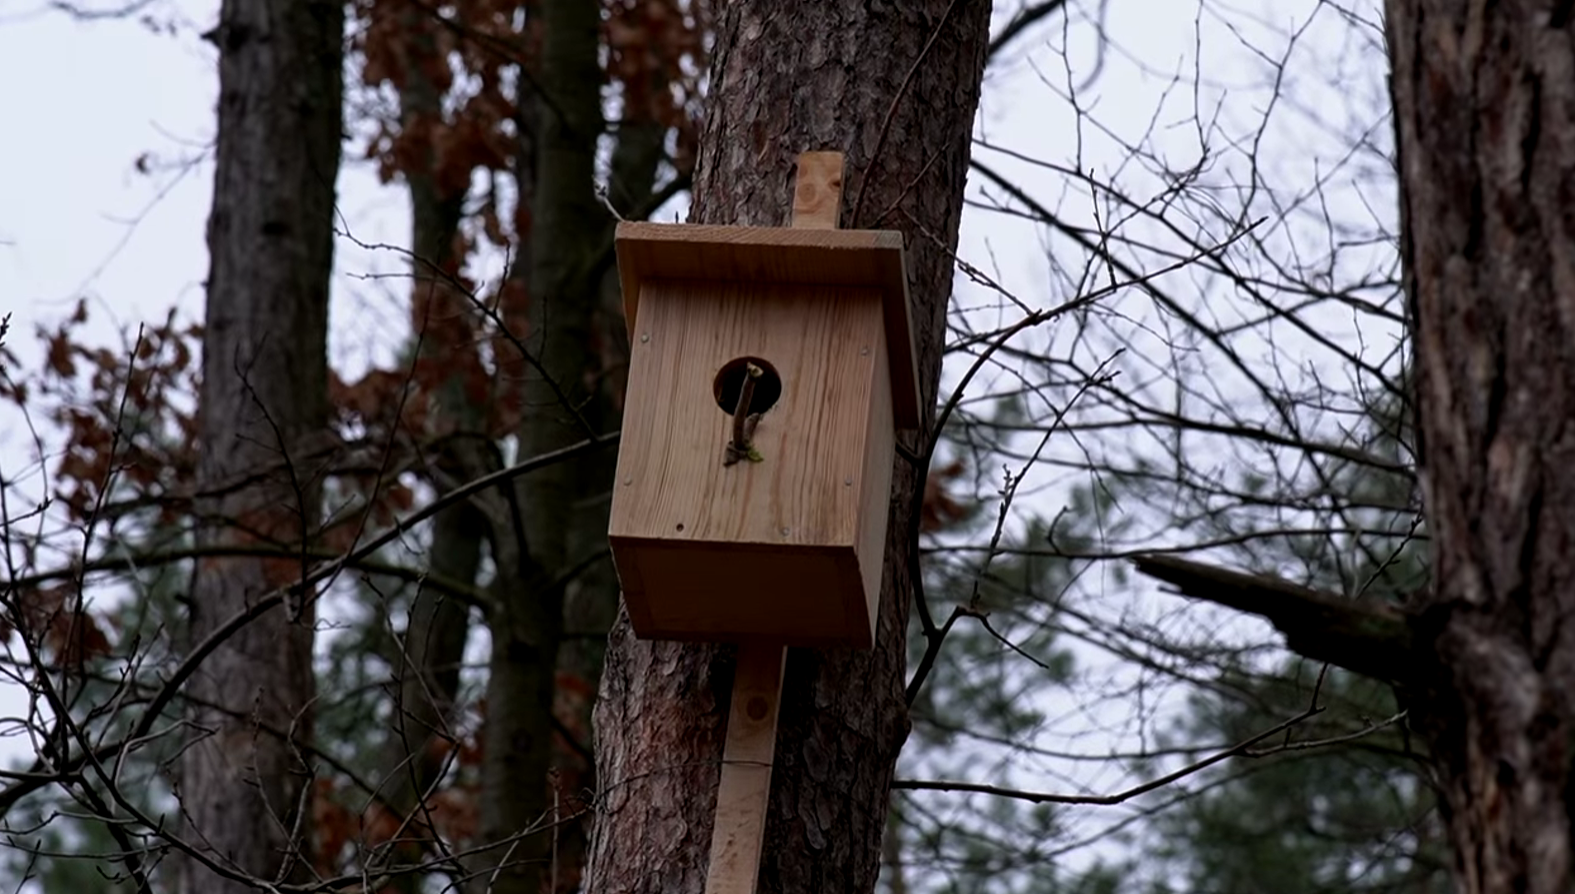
784,543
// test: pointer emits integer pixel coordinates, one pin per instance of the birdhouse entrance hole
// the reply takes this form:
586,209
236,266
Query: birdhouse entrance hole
729,385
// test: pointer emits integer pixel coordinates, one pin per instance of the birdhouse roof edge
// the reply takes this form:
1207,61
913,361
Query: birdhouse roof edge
705,252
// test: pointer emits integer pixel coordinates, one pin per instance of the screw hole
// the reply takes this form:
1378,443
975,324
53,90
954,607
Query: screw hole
680,526
729,385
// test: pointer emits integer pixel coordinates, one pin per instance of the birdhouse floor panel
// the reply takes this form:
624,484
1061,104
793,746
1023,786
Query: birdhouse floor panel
712,591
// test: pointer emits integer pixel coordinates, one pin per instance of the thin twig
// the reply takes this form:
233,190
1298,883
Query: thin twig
743,421
942,785
269,601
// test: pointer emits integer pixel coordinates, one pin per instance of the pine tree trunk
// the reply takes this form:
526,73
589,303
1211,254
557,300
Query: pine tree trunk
264,391
895,87
1485,109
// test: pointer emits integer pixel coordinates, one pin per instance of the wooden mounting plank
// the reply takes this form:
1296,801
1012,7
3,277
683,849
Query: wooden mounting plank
744,794
745,789
817,193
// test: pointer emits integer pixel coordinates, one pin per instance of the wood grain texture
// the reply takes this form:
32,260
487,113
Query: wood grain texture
745,789
863,258
880,451
817,191
744,794
801,597
678,512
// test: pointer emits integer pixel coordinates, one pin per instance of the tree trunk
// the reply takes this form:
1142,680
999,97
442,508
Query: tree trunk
264,392
566,225
590,603
903,114
426,665
1485,110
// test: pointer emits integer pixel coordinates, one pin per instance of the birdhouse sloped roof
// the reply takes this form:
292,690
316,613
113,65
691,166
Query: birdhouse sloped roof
858,258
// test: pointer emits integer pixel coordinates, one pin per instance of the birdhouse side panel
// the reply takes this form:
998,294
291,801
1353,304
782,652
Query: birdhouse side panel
820,348
875,503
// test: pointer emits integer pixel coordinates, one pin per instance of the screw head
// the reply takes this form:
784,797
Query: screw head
628,480
645,337
847,482
785,532
864,352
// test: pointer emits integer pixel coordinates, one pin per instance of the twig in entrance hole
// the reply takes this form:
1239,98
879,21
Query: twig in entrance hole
744,422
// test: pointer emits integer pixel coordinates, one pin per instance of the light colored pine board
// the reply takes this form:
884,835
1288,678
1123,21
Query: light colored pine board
679,515
823,343
744,794
650,253
817,191
756,254
745,790
875,503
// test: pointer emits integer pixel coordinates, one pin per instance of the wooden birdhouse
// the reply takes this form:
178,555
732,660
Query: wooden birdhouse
770,370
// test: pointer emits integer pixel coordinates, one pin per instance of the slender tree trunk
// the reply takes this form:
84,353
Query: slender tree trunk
591,600
264,392
1485,109
566,225
894,86
431,648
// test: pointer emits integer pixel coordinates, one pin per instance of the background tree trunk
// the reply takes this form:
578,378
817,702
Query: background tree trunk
567,226
427,654
264,390
903,115
1485,108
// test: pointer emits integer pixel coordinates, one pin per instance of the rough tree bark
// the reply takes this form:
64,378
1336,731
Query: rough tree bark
895,87
1484,99
264,393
